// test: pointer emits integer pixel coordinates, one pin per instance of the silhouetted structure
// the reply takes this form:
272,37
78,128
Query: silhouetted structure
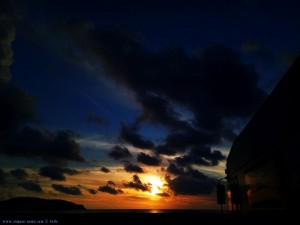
263,168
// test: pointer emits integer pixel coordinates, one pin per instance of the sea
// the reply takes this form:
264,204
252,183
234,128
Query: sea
114,216
141,217
92,211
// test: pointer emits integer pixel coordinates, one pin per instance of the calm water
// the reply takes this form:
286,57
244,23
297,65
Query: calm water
150,216
145,211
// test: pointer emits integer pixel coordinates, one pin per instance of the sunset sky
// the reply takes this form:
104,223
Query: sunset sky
133,104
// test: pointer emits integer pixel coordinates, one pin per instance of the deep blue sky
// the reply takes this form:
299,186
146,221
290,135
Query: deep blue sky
172,81
61,87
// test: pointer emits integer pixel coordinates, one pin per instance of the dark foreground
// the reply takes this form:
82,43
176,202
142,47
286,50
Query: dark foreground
140,217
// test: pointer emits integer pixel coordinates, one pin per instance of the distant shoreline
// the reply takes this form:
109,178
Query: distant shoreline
38,204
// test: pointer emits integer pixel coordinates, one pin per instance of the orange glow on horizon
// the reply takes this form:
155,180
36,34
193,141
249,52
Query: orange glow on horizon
158,195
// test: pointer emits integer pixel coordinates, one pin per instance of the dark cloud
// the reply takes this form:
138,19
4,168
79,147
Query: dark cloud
53,172
132,168
129,135
186,185
31,186
17,107
185,171
109,188
56,173
8,17
19,173
181,141
173,169
117,152
166,150
203,156
92,191
213,85
104,169
67,190
70,171
148,160
15,103
93,118
120,191
111,183
189,181
53,147
2,177
159,110
163,194
137,184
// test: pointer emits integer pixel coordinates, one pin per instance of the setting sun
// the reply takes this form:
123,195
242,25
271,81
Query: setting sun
156,184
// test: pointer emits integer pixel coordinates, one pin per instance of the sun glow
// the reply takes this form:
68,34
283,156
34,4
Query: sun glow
156,184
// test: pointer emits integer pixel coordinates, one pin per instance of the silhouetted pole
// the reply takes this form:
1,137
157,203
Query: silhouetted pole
221,195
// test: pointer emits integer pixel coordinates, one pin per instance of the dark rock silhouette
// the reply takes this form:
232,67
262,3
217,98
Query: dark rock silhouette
37,204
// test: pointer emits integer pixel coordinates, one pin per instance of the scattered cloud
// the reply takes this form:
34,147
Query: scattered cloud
53,147
137,184
203,156
214,85
117,152
17,107
92,191
72,190
179,142
52,172
187,185
70,171
189,181
132,168
110,188
148,160
159,110
185,171
129,135
56,173
111,183
31,186
104,169
19,173
173,169
8,17
163,194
